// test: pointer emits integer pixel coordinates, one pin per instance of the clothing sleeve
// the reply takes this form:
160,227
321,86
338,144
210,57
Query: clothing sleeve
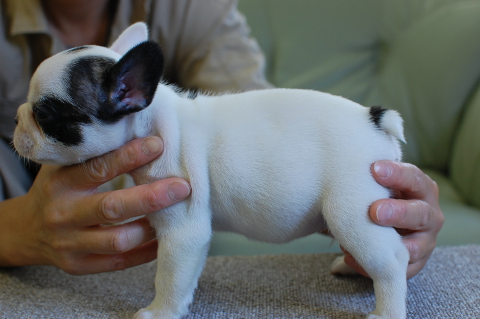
210,46
14,179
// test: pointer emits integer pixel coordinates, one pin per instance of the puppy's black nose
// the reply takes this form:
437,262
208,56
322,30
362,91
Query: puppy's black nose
16,119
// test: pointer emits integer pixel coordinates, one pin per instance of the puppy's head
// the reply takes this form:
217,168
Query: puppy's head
79,100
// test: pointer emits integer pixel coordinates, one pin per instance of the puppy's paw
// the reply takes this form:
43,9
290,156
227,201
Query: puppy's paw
339,267
144,314
155,313
149,314
373,315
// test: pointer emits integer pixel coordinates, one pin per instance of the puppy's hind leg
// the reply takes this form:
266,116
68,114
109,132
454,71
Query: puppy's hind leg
379,250
386,263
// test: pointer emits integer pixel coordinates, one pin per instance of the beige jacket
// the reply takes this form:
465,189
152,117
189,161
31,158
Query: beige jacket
206,45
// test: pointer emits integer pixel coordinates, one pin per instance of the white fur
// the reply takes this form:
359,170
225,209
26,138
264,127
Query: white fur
273,165
137,33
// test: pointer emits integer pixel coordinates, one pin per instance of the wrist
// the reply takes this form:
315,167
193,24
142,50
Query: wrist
15,249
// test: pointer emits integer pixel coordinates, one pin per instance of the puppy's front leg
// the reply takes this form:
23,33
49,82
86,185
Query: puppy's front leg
183,241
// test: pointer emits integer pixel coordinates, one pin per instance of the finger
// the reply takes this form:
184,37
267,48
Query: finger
414,269
115,239
404,177
349,260
93,263
403,214
420,246
102,169
118,206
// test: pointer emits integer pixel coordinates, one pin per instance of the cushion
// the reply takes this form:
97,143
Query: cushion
419,57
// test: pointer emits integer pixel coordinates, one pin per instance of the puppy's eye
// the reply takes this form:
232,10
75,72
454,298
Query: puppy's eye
40,114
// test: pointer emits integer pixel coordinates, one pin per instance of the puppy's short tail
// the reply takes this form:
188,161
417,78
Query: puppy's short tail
388,121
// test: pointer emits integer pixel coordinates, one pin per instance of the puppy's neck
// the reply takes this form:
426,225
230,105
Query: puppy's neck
160,117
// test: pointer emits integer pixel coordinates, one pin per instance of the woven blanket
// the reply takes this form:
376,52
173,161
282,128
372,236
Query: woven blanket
277,286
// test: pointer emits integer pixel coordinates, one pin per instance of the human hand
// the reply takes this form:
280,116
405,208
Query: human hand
62,220
414,211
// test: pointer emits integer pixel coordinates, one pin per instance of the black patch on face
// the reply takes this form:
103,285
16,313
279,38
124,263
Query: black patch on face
84,85
100,89
376,114
60,120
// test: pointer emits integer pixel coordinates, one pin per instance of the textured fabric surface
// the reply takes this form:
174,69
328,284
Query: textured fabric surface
281,286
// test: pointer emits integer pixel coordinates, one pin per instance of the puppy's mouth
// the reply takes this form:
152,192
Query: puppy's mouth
28,134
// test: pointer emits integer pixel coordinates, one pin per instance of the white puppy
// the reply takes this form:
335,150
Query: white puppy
272,165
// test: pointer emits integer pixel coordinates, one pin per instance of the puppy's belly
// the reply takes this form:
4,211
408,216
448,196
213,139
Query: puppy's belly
267,198
268,220
271,231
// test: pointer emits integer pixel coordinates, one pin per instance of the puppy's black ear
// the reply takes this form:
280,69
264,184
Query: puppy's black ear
132,81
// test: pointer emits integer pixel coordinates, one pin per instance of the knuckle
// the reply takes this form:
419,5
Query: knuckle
400,211
408,177
120,241
434,187
425,216
97,169
72,266
65,259
68,267
50,187
417,179
415,252
61,247
440,219
111,208
119,263
130,157
151,202
126,159
54,219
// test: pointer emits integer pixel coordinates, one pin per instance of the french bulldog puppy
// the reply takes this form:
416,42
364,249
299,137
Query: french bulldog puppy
273,165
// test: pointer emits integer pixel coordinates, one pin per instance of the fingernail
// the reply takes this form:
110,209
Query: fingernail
382,169
178,191
152,145
384,212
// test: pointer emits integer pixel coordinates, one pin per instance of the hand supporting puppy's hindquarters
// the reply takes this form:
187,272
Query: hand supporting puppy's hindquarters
59,222
414,212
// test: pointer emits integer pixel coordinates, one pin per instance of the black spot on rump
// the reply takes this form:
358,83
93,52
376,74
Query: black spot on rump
76,49
192,94
376,114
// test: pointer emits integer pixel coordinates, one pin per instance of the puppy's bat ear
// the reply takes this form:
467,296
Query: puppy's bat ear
132,81
133,35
